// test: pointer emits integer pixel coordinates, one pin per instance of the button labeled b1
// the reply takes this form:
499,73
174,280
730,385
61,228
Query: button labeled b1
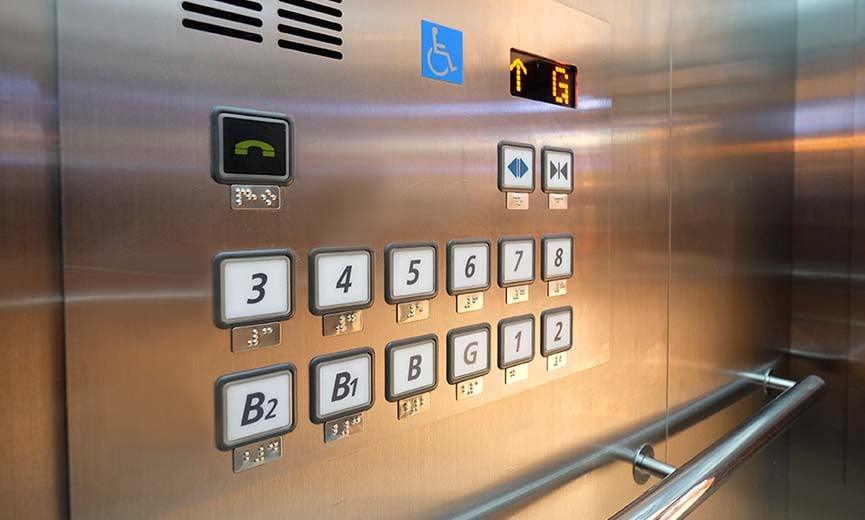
251,147
340,384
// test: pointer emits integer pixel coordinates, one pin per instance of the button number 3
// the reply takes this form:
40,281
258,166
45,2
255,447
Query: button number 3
261,278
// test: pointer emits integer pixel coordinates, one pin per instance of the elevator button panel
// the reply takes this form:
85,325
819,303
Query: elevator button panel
251,147
255,405
253,287
340,280
411,367
341,384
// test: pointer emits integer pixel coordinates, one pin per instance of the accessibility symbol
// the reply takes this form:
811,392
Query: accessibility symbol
518,168
441,52
558,170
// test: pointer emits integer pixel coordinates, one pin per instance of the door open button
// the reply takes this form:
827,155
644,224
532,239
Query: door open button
252,147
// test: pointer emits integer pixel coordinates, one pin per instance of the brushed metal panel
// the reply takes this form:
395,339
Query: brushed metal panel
826,460
381,156
733,71
33,479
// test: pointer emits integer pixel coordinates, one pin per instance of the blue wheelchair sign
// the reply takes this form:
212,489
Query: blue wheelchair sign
441,52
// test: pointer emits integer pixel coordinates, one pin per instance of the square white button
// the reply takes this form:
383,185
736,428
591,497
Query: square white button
255,405
557,257
516,341
411,367
516,261
556,330
468,353
411,272
468,266
342,384
516,167
342,280
253,287
558,170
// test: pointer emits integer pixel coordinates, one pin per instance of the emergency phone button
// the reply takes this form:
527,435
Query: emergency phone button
251,147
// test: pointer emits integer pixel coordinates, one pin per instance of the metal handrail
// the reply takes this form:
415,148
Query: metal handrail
680,493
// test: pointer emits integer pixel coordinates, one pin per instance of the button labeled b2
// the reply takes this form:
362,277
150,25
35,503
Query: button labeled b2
254,405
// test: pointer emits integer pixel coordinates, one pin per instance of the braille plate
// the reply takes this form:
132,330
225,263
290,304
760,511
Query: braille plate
558,201
470,302
517,294
340,428
557,361
412,406
518,201
516,373
244,196
470,388
256,454
557,288
412,311
342,323
244,339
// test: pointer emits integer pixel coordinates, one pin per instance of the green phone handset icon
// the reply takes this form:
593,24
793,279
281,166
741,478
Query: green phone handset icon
242,148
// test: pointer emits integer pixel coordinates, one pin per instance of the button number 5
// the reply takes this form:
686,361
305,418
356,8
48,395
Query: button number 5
410,272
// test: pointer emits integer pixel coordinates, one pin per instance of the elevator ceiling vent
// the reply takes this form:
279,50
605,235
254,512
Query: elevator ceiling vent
311,27
233,18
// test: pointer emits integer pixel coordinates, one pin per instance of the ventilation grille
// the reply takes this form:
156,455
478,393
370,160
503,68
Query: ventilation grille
236,19
311,27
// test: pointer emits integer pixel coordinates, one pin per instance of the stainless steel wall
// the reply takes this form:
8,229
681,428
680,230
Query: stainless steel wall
33,482
733,66
700,187
827,463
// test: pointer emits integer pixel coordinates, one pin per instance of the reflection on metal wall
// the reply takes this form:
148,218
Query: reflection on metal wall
827,463
33,469
733,100
683,228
